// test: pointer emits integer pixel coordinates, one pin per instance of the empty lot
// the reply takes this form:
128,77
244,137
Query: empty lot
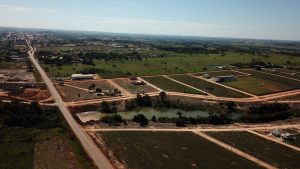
169,85
260,83
207,86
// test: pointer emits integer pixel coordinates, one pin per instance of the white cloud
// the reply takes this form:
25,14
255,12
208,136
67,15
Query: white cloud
50,11
12,8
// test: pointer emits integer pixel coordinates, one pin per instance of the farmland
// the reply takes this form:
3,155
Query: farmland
260,83
266,150
207,86
134,89
169,85
173,63
187,149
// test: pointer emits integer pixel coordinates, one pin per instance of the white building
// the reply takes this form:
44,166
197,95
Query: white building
82,76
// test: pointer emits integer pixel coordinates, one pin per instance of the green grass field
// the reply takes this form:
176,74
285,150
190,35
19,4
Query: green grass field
260,83
271,152
174,63
170,150
169,85
207,86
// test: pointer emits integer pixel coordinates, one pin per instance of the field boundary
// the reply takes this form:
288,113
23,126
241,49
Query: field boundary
228,87
274,140
150,84
235,150
188,85
274,75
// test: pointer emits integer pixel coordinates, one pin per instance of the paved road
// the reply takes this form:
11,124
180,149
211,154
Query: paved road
92,150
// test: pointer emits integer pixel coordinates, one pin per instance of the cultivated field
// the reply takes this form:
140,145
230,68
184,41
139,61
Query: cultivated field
261,148
208,87
128,85
169,85
260,83
170,150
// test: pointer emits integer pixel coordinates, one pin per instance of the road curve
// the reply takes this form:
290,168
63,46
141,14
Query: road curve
87,143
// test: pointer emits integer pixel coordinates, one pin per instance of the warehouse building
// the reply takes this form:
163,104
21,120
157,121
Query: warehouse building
82,76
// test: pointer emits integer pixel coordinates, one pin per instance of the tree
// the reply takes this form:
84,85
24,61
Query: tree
114,108
179,114
162,96
92,87
153,119
105,108
98,90
180,122
231,106
140,118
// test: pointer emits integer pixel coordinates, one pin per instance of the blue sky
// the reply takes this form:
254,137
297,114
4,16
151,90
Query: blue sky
262,19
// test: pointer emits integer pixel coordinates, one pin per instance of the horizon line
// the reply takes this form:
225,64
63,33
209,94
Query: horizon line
146,34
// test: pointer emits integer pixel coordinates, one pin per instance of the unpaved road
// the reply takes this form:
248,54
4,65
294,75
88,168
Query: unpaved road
235,150
92,150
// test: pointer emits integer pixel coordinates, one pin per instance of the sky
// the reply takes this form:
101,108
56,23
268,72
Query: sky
255,19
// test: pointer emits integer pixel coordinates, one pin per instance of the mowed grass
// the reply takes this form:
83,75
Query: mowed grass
268,151
173,63
207,86
169,85
260,83
170,150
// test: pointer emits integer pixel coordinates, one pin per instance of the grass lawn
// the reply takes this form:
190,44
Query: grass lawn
170,150
174,63
169,85
271,152
207,86
261,83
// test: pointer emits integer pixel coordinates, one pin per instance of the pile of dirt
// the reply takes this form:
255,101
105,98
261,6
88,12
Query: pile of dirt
35,94
54,154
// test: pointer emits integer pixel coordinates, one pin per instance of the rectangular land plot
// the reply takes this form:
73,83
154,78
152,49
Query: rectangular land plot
261,148
284,72
134,89
170,150
260,83
220,73
169,85
102,84
207,86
